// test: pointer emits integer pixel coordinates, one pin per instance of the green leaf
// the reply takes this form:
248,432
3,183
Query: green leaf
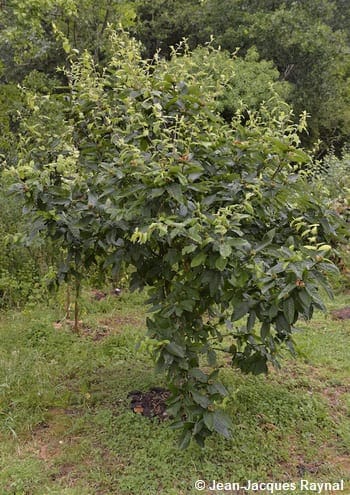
221,263
200,440
175,192
198,427
189,249
255,363
289,309
241,244
208,418
225,250
304,298
200,399
185,440
265,329
251,321
286,290
273,311
198,259
211,357
222,424
329,267
282,324
194,235
187,304
199,375
266,241
214,284
217,388
298,156
156,192
175,350
240,310
174,409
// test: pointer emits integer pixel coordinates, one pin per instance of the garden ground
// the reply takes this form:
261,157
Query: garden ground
67,428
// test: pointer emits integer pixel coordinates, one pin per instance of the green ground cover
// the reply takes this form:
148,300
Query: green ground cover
66,426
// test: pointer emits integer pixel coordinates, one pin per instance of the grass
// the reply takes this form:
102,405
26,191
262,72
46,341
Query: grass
66,427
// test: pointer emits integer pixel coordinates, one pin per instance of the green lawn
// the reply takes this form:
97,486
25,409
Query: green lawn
66,427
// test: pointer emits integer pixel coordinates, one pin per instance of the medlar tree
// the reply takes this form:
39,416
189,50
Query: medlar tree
218,221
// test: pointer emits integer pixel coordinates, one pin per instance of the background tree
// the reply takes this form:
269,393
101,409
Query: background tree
307,41
304,40
239,84
32,32
164,23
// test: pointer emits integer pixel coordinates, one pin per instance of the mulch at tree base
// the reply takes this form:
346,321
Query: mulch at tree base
151,404
100,294
341,314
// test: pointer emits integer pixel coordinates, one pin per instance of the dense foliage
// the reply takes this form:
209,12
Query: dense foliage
306,40
135,167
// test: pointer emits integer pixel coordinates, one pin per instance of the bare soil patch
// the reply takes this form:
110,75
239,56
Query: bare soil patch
150,404
341,314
